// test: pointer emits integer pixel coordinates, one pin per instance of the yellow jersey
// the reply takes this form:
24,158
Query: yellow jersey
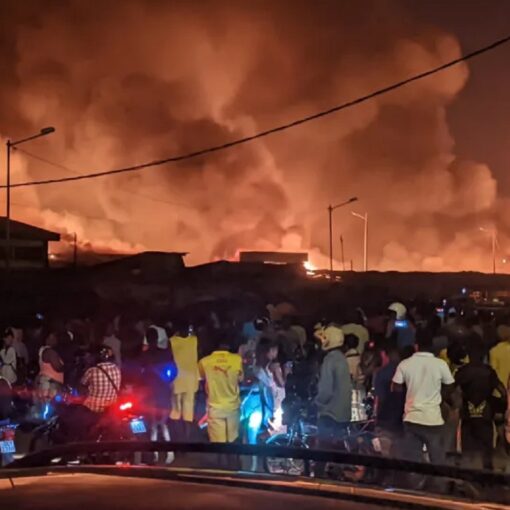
222,372
499,358
185,352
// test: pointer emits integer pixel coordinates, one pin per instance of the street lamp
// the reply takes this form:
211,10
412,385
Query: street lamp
493,233
364,217
331,208
10,144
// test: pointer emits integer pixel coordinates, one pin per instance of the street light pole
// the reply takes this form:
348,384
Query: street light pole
44,131
364,217
331,208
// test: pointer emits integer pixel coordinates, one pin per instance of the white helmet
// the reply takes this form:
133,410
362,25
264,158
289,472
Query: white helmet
399,309
332,338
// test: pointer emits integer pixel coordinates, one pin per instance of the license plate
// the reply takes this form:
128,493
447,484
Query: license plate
138,426
7,447
376,444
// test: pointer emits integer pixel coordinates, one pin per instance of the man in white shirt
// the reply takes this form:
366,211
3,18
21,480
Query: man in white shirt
425,377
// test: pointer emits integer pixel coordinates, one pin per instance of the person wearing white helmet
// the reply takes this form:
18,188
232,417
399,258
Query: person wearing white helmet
334,395
400,326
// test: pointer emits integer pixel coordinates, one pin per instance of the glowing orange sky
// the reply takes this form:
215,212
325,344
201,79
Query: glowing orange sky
161,78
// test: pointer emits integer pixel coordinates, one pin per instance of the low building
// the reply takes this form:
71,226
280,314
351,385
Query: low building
28,245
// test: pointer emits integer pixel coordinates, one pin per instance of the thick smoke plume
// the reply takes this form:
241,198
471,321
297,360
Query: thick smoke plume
131,81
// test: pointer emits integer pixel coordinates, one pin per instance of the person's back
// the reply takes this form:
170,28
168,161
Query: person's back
478,383
221,371
102,381
499,355
185,353
423,374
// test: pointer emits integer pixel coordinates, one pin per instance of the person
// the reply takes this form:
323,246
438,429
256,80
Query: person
354,326
499,355
334,392
425,376
113,342
222,372
351,343
157,374
184,347
22,357
389,406
101,382
400,324
51,369
272,382
8,357
478,382
289,339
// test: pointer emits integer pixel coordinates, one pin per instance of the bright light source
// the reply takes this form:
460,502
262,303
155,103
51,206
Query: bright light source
255,420
309,266
125,406
52,256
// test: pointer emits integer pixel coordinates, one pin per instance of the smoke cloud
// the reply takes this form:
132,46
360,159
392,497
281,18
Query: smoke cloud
126,84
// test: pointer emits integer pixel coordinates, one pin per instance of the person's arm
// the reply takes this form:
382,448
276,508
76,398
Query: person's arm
241,372
397,383
85,380
276,369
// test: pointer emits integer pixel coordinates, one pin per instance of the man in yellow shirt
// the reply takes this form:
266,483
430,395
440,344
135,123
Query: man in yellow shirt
222,372
499,355
185,352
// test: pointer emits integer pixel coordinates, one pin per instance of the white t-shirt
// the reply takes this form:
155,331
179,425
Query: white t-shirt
423,374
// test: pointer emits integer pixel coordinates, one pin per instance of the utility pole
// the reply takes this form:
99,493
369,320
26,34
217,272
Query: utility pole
342,248
331,208
364,217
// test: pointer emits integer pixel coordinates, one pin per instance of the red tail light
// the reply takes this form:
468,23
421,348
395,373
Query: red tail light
125,406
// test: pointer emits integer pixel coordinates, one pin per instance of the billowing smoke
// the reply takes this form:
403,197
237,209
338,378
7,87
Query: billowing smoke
130,82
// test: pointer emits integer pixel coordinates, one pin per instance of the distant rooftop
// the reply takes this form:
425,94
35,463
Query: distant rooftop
21,230
273,257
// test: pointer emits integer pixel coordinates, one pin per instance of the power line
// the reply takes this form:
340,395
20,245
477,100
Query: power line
277,129
122,190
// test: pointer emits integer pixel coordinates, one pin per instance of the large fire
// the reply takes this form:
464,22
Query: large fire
155,79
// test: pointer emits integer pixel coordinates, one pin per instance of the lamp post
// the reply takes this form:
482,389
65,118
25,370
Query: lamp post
10,144
331,208
493,233
364,217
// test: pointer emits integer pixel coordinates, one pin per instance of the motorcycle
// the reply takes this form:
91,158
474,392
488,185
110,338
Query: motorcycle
119,422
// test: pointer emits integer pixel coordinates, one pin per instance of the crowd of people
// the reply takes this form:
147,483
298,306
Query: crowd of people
440,383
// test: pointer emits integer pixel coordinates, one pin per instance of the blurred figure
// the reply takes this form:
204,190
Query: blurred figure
184,346
157,381
478,382
51,369
355,326
111,340
499,356
8,357
400,325
389,405
222,372
334,396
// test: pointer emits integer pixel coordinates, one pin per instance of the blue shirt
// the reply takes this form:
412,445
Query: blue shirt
390,405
